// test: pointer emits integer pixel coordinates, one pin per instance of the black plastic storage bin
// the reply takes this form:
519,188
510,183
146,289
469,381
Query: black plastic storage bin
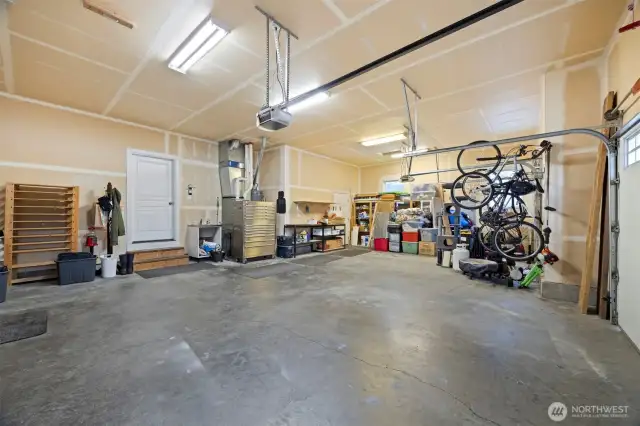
304,249
394,228
285,240
285,252
3,285
76,268
216,256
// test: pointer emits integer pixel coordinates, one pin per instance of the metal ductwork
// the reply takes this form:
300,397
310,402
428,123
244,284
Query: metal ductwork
232,168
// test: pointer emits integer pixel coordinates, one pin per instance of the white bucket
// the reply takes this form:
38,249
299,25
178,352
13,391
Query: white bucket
109,265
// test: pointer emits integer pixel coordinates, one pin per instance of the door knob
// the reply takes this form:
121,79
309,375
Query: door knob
170,203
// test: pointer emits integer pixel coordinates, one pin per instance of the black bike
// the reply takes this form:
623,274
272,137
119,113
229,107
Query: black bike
502,211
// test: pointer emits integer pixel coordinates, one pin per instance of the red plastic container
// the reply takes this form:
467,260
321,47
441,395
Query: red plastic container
381,244
410,237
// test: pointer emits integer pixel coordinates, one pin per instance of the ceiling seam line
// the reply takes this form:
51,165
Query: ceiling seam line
68,53
151,98
336,10
155,44
231,93
99,116
473,41
375,99
445,95
318,40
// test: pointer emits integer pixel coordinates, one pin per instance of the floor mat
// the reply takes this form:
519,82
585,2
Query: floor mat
351,252
267,271
315,260
173,270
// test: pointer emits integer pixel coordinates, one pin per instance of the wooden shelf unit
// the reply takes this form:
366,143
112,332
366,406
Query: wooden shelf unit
30,252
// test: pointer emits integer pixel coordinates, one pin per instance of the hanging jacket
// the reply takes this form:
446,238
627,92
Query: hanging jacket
117,222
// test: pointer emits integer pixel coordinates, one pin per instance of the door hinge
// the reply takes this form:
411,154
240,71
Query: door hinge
615,276
615,228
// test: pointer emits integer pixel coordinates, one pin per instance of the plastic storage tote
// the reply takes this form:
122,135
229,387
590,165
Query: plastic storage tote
409,247
395,247
410,237
411,225
394,228
3,285
381,244
285,240
303,249
429,235
76,268
395,238
286,252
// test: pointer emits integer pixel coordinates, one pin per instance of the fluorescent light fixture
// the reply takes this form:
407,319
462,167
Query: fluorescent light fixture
409,153
314,100
386,139
199,43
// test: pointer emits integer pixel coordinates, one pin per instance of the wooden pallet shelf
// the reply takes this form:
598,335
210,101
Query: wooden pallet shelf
39,229
41,235
26,255
41,221
42,243
38,214
43,207
42,250
36,278
68,194
34,264
57,200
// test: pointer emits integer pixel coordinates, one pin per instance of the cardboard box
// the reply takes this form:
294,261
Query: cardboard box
427,249
333,244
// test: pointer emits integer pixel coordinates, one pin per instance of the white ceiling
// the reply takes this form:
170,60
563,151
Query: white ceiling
480,83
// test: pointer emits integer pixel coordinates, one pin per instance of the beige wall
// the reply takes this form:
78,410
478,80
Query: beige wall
305,176
572,99
622,70
373,177
317,178
46,145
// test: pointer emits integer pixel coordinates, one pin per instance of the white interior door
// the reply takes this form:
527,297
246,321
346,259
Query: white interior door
153,199
344,201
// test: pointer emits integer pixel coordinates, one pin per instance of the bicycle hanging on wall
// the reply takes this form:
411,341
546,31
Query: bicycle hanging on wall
496,192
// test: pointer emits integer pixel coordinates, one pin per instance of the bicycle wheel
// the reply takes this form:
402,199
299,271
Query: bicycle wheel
472,191
485,235
487,158
518,241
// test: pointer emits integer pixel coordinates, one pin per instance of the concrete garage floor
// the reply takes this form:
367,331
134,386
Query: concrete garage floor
377,339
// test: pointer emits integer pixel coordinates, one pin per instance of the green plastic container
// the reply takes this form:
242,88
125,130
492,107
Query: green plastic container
411,248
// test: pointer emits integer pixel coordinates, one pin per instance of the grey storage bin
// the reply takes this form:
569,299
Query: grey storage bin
429,235
76,268
3,285
395,238
395,247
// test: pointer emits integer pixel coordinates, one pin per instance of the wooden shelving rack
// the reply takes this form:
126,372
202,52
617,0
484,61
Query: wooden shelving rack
40,221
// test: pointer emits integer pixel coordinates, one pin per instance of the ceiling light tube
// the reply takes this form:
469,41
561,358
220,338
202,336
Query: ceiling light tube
314,100
408,153
200,42
386,139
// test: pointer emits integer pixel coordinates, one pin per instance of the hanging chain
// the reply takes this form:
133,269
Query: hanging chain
268,88
288,70
280,69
